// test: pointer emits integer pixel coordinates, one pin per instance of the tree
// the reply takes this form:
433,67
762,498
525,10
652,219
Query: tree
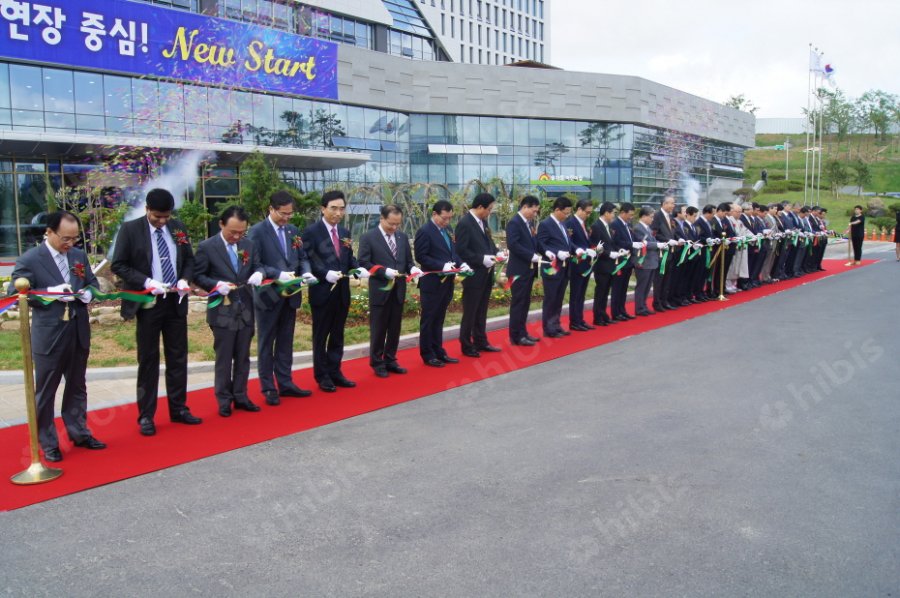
741,103
837,176
547,158
196,219
600,136
838,112
297,132
862,175
876,109
259,179
325,126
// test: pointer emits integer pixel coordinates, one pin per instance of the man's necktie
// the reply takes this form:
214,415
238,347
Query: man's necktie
282,241
335,242
232,254
165,260
63,266
446,238
392,246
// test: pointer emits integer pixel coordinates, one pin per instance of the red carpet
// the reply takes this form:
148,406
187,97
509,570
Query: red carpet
130,454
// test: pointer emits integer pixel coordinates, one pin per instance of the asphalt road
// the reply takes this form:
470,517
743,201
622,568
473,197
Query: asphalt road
751,452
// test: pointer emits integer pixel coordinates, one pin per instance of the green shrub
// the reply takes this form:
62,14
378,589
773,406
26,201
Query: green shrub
887,222
782,186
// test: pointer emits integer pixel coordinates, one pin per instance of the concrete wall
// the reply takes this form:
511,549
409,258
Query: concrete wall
375,79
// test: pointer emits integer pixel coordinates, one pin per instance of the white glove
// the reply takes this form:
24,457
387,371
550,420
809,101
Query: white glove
465,267
448,266
285,276
549,255
502,255
767,231
182,286
62,288
563,255
333,276
637,245
223,288
363,274
681,242
86,296
255,279
155,287
308,277
488,261
579,252
600,246
614,255
535,259
416,271
672,243
710,241
592,253
390,273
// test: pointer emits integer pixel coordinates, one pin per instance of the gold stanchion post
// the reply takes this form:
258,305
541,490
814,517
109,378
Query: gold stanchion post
37,472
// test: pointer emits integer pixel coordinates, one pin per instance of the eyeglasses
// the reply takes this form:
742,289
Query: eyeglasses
65,239
285,214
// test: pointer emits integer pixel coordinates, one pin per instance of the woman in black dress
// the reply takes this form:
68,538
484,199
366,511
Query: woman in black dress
857,232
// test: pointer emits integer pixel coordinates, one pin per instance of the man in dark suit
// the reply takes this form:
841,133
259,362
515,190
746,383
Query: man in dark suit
645,268
60,331
554,242
143,260
601,238
283,258
722,230
703,228
580,271
521,243
228,264
436,252
662,226
477,249
624,243
386,247
330,251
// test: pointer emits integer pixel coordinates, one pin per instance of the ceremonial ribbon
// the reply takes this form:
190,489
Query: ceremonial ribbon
684,253
620,263
509,283
663,258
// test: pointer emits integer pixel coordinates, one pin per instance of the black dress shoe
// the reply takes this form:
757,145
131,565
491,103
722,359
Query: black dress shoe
434,362
471,353
621,319
272,399
601,323
293,391
148,428
684,303
565,332
343,382
489,349
225,410
578,327
646,313
327,386
448,359
381,372
90,443
396,369
658,307
533,339
247,405
554,335
525,342
52,455
629,317
186,417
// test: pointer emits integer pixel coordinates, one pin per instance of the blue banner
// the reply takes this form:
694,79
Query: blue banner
140,39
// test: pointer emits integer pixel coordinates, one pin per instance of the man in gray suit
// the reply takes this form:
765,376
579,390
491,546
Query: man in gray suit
388,247
229,264
644,269
60,331
283,258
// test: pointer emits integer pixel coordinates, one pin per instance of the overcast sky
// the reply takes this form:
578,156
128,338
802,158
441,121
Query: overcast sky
716,49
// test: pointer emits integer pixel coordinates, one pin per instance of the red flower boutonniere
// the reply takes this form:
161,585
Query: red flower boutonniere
181,238
78,270
297,242
244,256
347,242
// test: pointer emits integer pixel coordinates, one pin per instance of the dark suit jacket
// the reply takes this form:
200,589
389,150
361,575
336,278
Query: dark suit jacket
212,265
472,244
599,234
703,229
579,239
322,258
621,235
661,229
47,327
274,261
432,253
522,245
374,250
550,238
133,255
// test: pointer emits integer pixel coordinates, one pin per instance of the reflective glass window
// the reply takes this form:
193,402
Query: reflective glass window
4,86
196,103
28,87
117,96
171,102
146,99
59,93
488,130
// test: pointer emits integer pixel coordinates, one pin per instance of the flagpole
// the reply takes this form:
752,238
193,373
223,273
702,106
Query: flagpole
821,144
808,116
